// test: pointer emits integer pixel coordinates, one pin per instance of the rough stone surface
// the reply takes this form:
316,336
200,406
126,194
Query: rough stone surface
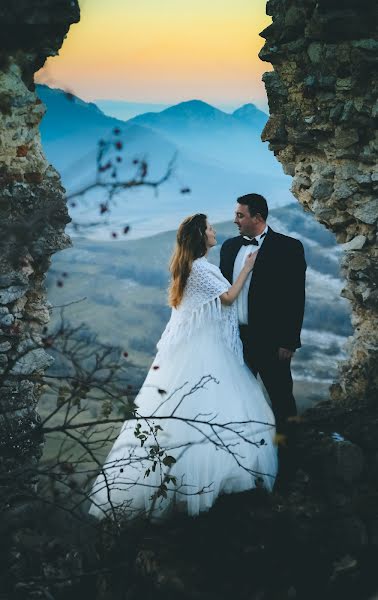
10,294
32,362
345,462
356,243
33,216
322,128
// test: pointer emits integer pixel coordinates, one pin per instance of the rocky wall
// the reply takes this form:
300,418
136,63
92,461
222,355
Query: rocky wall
33,216
323,104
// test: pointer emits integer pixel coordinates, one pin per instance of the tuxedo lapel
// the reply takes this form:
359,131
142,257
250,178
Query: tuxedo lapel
234,248
262,257
264,250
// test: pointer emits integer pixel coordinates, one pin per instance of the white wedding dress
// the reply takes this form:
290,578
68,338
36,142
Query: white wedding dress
200,407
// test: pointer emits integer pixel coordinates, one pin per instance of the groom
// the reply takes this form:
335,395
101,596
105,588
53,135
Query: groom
271,303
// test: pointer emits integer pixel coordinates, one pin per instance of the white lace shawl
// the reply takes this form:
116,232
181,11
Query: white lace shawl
201,305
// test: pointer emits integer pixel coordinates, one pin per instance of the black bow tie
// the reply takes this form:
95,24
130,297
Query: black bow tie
254,242
246,242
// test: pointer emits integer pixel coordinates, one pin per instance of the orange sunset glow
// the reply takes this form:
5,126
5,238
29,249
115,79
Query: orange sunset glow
165,51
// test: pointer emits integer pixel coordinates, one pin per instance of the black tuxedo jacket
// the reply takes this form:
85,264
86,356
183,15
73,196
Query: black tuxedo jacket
276,294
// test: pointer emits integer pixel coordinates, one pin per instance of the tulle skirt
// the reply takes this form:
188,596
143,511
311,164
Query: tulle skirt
203,428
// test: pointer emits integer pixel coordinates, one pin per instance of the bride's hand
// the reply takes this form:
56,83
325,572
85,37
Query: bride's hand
250,261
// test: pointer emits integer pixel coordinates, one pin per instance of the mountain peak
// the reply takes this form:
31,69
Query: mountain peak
192,108
185,115
251,114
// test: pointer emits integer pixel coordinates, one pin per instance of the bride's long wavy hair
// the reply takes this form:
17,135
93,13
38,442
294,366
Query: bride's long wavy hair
190,244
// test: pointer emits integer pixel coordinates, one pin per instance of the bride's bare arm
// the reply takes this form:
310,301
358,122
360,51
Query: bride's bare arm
233,292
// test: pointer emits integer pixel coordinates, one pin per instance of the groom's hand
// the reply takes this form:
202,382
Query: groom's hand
285,354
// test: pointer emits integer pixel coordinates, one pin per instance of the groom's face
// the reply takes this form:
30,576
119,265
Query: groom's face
246,224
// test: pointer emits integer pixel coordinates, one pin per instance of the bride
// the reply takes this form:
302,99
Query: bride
202,426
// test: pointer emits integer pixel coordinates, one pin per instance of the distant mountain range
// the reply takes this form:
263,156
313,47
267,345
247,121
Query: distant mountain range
190,117
123,110
229,139
219,157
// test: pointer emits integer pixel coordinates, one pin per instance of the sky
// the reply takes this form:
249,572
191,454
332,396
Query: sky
164,51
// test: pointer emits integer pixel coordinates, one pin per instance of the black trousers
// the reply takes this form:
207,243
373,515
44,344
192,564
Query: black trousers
276,377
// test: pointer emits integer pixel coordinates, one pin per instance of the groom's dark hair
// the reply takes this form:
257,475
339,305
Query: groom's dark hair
256,204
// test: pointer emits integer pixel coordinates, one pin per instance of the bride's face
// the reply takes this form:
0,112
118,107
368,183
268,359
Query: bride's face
210,236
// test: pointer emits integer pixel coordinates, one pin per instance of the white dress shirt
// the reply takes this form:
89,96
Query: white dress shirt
242,299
